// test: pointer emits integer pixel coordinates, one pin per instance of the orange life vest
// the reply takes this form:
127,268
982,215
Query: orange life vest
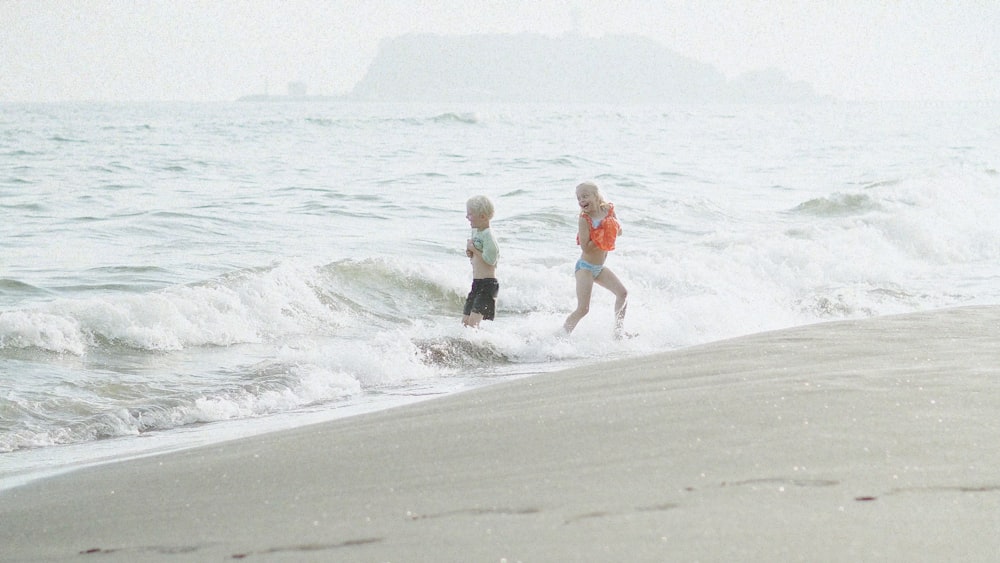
605,233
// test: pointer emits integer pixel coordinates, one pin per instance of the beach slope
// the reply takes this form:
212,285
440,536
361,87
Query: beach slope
870,440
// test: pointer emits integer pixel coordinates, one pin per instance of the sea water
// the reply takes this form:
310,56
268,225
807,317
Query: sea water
177,273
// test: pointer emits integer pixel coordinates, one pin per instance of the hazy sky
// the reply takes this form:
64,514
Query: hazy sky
224,49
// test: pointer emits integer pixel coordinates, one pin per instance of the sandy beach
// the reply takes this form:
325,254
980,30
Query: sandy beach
871,440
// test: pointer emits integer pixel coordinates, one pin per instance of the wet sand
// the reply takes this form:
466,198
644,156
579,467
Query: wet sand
872,440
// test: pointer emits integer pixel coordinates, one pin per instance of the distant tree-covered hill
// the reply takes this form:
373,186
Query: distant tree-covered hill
570,68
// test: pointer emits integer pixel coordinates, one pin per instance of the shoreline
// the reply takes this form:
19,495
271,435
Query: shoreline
42,463
840,441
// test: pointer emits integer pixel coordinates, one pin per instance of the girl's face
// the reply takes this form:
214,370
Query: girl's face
588,200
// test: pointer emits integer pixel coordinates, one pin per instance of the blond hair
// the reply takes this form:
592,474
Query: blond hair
480,204
592,188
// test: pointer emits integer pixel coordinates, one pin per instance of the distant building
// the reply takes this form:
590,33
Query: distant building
296,89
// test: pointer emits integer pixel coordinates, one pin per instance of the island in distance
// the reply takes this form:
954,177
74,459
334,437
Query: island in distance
571,68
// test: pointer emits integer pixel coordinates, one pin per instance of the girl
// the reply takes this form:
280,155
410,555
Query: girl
598,229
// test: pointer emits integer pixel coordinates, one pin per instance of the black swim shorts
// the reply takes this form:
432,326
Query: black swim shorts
483,298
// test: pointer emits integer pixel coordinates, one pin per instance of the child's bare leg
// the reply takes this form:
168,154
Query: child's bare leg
609,280
584,288
472,319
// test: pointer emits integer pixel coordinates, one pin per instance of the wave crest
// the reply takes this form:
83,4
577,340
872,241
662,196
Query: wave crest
247,306
838,205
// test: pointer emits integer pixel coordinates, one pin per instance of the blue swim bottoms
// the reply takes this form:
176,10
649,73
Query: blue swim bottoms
582,264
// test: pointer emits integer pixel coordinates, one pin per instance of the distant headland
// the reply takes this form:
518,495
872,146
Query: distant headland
571,68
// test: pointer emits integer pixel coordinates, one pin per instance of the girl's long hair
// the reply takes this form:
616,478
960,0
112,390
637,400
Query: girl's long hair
592,187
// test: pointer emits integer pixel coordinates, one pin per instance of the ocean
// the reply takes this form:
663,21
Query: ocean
175,274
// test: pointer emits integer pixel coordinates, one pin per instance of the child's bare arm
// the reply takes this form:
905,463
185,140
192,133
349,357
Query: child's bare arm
586,245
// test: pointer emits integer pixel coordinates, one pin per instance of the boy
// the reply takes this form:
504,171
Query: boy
483,252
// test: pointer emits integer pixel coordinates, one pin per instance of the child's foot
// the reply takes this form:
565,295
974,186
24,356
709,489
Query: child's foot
621,334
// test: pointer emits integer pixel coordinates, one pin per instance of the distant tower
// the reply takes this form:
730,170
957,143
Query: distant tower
297,89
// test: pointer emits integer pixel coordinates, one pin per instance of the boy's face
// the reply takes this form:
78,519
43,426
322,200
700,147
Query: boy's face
477,220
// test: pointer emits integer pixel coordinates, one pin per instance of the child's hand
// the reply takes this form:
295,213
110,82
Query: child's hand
469,247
